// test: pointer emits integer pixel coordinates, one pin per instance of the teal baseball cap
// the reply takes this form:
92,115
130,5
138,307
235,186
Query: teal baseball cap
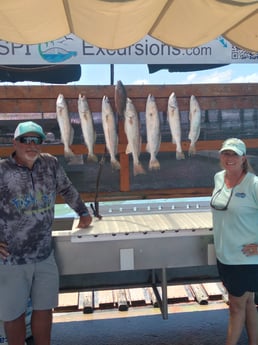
234,144
28,127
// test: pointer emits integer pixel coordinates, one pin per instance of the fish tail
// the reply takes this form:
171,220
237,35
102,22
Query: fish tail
192,150
92,158
154,164
75,160
138,169
71,136
180,155
128,149
115,164
68,153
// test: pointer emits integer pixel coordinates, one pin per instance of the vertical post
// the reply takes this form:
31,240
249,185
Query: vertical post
124,159
162,301
164,294
111,74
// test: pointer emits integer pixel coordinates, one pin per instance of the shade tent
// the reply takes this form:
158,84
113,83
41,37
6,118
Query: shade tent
56,74
182,67
115,24
62,74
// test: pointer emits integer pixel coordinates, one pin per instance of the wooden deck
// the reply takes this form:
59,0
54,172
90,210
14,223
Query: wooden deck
123,299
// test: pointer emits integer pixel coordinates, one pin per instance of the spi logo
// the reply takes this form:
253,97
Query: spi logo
55,51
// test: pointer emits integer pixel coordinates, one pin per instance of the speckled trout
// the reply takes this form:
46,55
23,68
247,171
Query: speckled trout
195,124
110,132
87,125
153,132
175,124
132,131
66,129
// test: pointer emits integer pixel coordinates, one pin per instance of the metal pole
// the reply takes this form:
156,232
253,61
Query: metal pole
111,74
164,294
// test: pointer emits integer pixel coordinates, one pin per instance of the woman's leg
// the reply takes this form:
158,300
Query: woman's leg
237,317
251,320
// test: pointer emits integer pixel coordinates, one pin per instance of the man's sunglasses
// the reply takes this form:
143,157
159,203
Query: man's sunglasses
30,139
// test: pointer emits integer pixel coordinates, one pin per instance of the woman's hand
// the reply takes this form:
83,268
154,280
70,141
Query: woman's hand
250,249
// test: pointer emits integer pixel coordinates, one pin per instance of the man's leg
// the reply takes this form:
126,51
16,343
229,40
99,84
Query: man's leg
44,296
41,324
15,331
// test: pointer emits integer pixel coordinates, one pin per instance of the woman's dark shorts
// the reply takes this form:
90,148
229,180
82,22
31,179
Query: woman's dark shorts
239,279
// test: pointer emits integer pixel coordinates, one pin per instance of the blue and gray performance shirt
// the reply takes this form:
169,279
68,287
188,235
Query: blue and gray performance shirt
27,200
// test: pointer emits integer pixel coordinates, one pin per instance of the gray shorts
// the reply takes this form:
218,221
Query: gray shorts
38,281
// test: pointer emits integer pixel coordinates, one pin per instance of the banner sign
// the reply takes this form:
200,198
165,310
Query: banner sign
72,50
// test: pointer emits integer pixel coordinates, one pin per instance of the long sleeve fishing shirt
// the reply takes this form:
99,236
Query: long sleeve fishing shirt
27,200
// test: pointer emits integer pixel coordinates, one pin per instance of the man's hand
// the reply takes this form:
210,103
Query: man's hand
84,221
3,251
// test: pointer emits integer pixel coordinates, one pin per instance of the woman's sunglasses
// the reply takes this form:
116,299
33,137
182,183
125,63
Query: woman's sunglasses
30,139
220,207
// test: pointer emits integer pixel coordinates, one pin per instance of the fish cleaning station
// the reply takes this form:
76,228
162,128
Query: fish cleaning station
151,227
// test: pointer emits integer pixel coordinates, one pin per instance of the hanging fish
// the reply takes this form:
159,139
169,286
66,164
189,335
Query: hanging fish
110,133
66,129
195,124
175,124
153,132
132,131
87,126
120,98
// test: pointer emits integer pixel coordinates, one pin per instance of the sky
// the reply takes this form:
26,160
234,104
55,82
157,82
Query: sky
139,75
133,74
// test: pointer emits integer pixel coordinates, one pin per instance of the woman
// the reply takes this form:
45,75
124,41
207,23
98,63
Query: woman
234,206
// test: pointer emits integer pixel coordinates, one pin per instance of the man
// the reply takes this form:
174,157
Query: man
29,183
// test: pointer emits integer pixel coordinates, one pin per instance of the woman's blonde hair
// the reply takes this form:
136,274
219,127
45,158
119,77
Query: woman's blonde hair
247,166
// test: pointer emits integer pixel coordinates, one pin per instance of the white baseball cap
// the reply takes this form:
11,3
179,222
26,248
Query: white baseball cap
234,144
